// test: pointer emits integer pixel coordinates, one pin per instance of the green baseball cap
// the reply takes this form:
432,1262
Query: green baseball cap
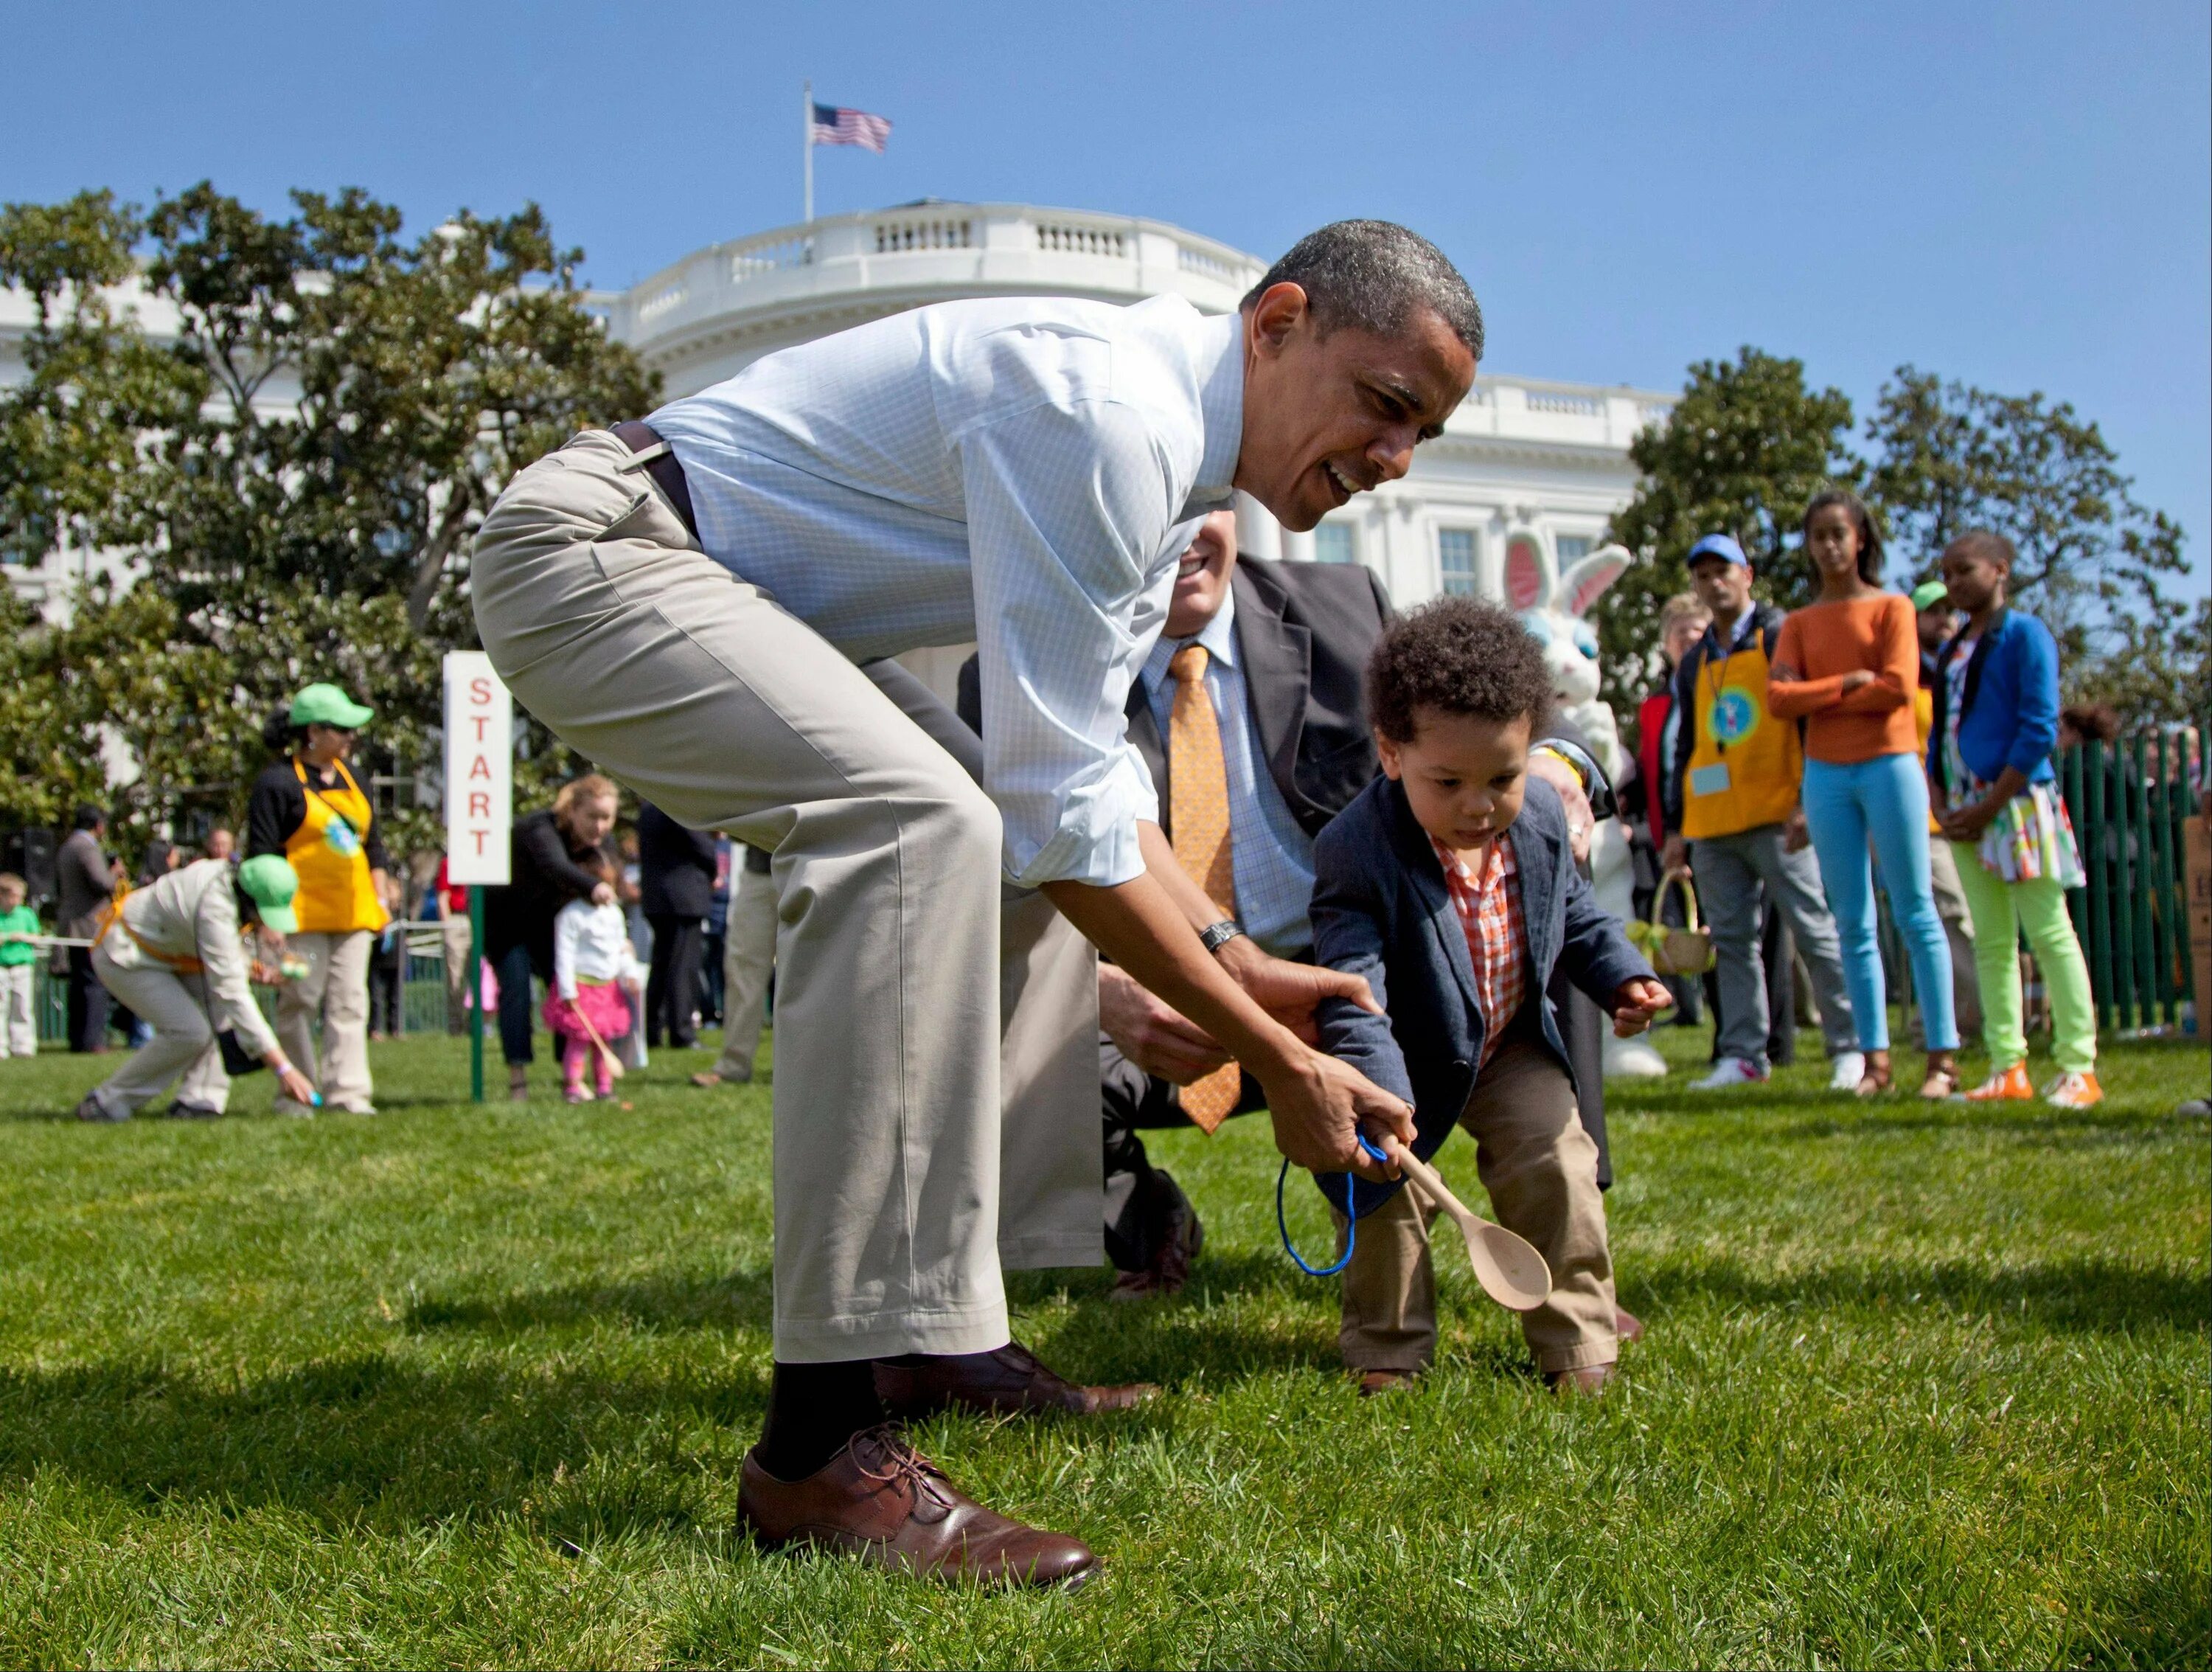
1929,593
327,705
271,882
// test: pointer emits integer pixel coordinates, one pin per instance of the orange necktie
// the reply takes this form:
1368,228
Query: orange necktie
1198,807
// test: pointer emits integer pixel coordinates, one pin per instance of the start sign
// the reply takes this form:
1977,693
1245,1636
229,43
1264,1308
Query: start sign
479,770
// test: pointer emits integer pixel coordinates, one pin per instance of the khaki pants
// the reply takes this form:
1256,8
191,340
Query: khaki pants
454,932
748,961
19,1023
706,698
336,988
1540,1169
175,1007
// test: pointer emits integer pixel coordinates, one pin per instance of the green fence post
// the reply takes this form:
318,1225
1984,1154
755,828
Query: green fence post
2180,804
2100,914
2139,895
476,992
2070,788
2161,858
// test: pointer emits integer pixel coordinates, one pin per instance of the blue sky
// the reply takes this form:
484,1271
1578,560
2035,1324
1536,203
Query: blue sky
2020,195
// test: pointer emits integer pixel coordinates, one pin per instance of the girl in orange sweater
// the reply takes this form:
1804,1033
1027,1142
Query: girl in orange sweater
1849,664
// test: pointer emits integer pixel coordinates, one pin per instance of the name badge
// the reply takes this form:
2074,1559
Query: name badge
1709,780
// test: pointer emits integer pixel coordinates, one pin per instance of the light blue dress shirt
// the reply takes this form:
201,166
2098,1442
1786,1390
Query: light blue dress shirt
1023,472
1270,856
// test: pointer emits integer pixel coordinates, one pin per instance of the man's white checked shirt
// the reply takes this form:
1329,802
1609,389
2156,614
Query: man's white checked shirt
1024,473
1270,856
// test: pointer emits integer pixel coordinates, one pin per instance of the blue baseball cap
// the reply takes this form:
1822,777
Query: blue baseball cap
1718,545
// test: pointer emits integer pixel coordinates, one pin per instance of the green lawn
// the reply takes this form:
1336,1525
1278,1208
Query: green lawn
1923,1386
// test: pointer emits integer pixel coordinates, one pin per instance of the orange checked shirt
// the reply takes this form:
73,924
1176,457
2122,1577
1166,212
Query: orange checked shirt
1489,908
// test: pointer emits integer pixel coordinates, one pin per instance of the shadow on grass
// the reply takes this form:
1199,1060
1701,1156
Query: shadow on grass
742,1300
364,1442
2089,1293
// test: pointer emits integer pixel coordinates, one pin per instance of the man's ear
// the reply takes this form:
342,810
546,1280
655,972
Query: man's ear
1279,313
1387,752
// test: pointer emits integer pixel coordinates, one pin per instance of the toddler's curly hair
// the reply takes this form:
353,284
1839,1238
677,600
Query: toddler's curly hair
1461,656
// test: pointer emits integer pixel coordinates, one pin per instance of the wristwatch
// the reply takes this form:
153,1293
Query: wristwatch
1214,936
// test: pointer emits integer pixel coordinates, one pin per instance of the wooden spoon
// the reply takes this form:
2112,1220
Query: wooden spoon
1509,1269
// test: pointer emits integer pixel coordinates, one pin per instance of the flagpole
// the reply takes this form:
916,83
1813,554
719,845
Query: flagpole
806,132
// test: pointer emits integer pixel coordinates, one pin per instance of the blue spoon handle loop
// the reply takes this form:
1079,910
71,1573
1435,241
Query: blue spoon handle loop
1351,1228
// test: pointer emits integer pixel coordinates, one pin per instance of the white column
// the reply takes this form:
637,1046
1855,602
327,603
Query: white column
1258,533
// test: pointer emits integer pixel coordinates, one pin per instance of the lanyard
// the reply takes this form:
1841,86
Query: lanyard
1351,1226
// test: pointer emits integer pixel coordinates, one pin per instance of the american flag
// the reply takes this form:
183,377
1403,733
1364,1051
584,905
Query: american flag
836,126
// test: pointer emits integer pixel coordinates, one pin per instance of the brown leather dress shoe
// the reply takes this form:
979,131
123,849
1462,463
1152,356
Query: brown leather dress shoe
1626,1325
1008,1380
1374,1382
1181,1236
1585,1379
882,1501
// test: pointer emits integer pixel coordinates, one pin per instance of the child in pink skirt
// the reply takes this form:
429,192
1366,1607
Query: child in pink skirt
596,978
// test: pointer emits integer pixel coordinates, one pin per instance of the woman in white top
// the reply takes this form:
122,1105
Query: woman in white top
596,979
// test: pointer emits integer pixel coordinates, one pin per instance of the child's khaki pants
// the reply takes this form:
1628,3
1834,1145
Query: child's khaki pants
1540,1169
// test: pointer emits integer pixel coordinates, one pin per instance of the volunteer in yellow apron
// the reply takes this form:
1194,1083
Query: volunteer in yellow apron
309,808
1731,804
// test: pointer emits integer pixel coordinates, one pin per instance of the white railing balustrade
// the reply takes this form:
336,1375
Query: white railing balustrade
1065,240
752,258
896,237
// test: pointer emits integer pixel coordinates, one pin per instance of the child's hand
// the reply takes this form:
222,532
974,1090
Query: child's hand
1635,1004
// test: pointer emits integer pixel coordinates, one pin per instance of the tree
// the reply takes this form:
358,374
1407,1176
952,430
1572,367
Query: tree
2094,563
1746,446
72,432
298,478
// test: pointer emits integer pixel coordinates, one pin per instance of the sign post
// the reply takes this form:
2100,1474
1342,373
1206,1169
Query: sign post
479,810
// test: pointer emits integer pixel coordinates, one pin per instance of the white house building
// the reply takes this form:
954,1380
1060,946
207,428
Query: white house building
1521,481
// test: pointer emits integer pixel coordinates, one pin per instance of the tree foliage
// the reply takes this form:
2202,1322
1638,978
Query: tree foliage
2094,563
296,477
1747,443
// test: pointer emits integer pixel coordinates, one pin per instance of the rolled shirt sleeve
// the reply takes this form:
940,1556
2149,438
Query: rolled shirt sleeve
1073,569
226,970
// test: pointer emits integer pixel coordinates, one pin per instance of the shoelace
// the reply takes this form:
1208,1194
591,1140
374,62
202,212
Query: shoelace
903,1462
1352,1221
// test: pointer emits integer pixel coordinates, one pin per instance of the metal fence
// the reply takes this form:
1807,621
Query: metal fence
2129,802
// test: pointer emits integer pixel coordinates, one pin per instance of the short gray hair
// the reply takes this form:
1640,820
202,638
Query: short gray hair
1376,275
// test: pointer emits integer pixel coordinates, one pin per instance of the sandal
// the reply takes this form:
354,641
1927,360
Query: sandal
1876,1079
1942,1081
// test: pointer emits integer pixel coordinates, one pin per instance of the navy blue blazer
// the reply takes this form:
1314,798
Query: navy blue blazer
1380,910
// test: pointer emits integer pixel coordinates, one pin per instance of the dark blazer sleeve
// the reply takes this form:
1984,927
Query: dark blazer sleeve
1351,932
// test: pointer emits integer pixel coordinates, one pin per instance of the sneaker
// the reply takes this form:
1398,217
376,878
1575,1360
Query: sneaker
2074,1092
297,1111
2006,1085
1729,1072
92,1110
181,1110
1847,1070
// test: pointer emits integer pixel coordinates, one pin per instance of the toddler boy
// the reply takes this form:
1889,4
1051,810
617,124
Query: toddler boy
1449,885
19,1023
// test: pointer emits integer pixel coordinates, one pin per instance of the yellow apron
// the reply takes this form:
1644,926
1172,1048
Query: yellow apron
1745,764
336,895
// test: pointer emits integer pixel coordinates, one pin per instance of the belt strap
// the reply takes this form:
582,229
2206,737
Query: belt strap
641,437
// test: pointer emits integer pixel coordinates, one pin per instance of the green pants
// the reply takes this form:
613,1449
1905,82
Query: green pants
2001,909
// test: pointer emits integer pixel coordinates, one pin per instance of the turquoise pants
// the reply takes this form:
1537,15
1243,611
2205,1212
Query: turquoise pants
2001,909
1884,802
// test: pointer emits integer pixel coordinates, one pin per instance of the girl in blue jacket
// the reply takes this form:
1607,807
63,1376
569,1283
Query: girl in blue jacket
1996,798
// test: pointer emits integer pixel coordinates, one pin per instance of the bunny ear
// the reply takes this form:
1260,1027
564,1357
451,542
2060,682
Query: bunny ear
1524,573
1586,580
